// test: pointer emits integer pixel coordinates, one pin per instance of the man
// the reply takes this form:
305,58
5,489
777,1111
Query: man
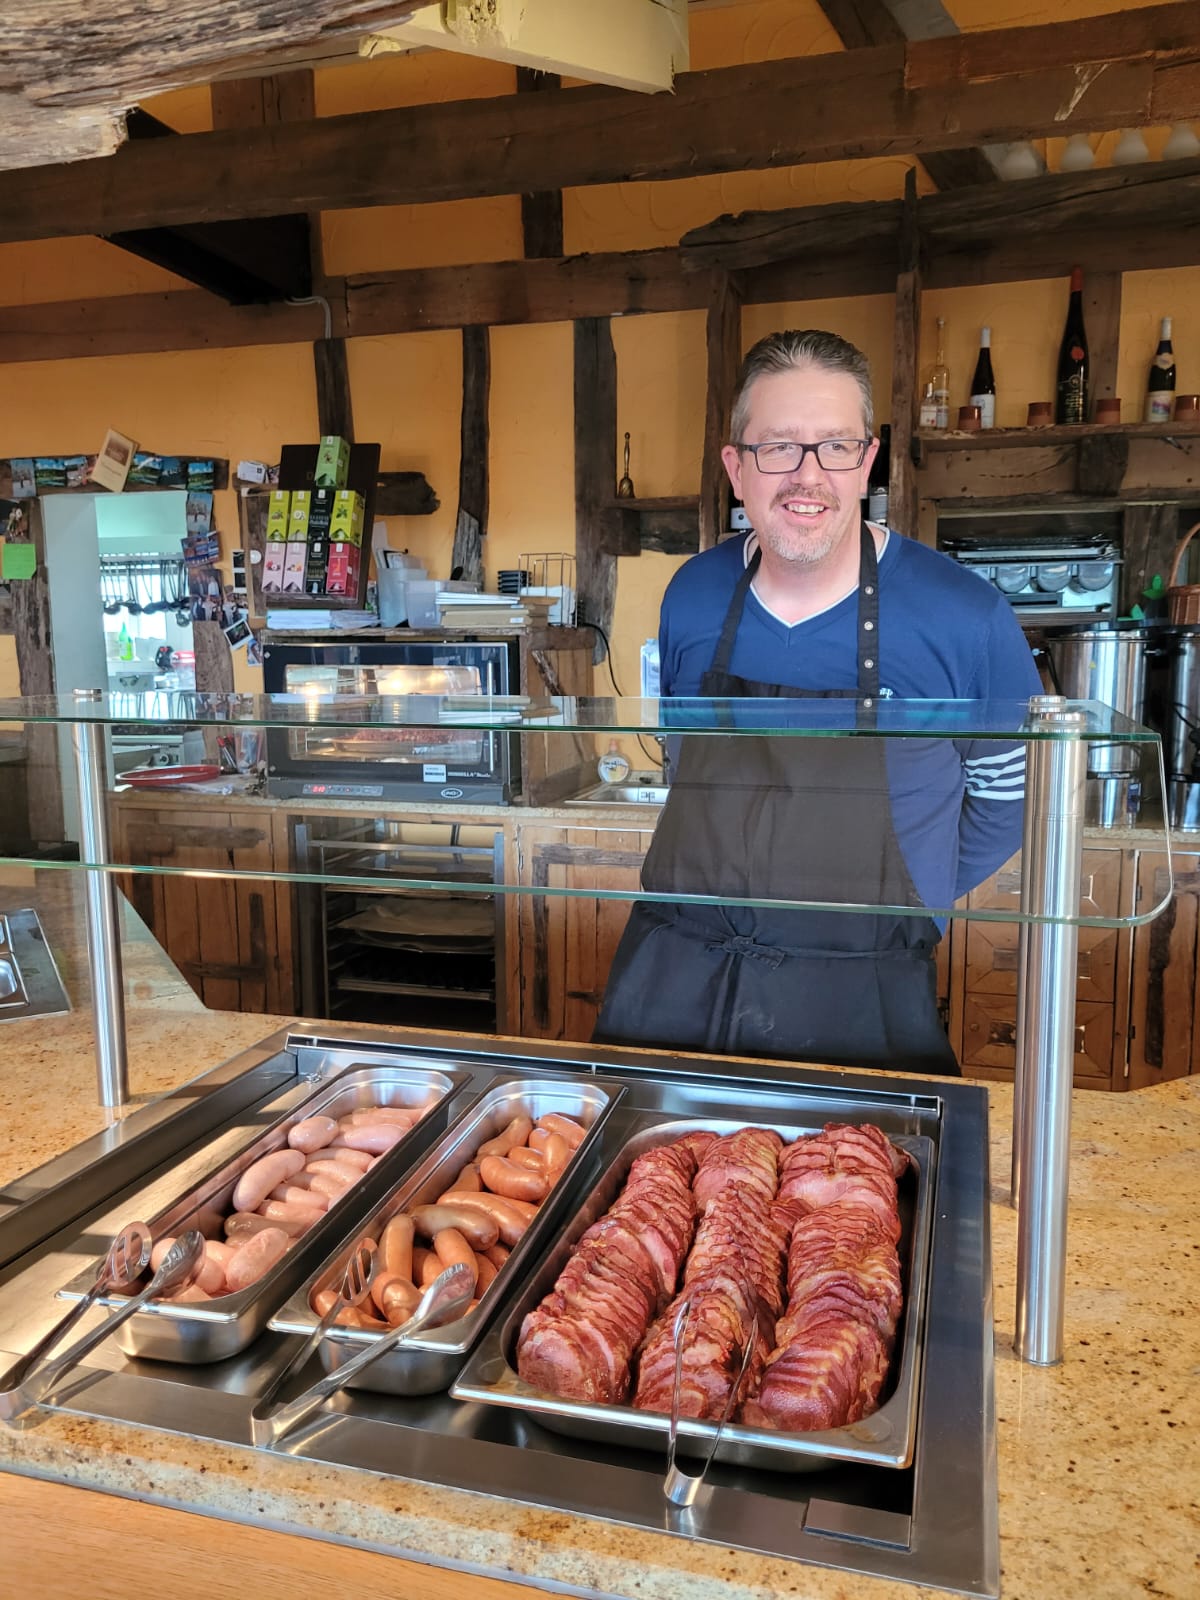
817,605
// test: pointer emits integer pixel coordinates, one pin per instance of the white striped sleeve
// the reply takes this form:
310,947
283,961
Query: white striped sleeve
997,776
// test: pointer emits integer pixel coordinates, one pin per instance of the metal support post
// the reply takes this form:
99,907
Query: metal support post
1052,853
90,742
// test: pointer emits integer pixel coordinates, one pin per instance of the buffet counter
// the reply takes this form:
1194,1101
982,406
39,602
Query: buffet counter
1096,1458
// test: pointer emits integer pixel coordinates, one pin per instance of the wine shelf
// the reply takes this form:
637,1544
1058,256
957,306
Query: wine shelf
1060,433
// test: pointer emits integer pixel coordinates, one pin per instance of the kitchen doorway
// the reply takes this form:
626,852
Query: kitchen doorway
120,617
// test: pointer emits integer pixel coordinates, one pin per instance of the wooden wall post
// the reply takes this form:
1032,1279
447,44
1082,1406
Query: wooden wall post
598,523
471,527
723,335
335,414
902,478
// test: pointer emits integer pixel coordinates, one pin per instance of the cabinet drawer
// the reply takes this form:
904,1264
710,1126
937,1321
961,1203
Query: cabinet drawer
990,1036
992,952
1099,885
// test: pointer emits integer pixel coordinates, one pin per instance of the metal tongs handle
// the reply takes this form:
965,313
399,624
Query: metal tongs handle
24,1385
444,1300
680,1487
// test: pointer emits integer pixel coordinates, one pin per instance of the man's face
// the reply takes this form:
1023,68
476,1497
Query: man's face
801,517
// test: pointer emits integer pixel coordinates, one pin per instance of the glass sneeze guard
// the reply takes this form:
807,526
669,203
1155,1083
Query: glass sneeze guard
924,746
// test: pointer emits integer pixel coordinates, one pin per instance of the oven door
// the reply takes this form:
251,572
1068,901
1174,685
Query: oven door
375,756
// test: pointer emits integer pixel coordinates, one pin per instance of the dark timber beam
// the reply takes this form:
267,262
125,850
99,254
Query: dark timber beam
541,213
860,24
249,262
1127,69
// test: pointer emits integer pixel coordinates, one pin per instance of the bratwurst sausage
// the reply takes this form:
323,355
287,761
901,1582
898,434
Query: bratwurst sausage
256,1183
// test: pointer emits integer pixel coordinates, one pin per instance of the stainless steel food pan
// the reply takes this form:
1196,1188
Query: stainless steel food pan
430,1363
212,1330
884,1439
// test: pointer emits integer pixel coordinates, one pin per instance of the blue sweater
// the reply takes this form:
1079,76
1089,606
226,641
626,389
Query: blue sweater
944,634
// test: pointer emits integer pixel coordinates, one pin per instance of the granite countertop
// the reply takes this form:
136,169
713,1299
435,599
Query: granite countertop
1097,1457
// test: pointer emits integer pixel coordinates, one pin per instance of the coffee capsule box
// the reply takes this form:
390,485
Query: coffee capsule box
320,513
333,463
279,510
316,564
294,562
346,526
342,573
298,517
273,557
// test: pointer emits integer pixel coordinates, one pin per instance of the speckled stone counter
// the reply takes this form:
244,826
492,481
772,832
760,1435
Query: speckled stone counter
1098,1458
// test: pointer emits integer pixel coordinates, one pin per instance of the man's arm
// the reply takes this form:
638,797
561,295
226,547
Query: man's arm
992,817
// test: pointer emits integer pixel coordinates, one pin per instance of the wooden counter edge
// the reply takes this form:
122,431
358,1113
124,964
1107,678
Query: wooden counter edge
55,1533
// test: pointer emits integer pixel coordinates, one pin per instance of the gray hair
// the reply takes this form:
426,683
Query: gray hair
810,347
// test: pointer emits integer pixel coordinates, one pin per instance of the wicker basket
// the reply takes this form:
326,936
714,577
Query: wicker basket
1183,600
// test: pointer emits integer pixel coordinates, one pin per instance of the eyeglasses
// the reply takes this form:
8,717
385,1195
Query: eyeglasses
787,455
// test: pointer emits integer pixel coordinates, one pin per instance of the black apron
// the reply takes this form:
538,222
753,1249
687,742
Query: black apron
782,818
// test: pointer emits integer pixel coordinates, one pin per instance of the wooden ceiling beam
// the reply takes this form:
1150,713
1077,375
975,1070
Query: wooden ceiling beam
1117,219
938,94
860,24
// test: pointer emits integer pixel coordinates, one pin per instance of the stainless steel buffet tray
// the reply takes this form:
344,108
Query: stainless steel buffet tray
213,1330
429,1363
886,1438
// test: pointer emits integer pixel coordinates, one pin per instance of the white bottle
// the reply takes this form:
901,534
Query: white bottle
612,766
650,670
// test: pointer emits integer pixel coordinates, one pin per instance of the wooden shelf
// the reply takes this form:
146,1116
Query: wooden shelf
1023,438
670,502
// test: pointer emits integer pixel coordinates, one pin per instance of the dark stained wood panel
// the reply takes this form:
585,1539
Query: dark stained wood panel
470,528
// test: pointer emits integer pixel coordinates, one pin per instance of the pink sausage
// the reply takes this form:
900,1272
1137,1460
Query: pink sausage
332,1185
572,1131
161,1246
401,1115
345,1157
220,1252
287,1211
333,1174
302,1180
292,1195
373,1137
210,1275
256,1183
243,1224
256,1257
312,1134
190,1291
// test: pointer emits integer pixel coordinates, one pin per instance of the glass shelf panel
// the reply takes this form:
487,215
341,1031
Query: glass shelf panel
776,718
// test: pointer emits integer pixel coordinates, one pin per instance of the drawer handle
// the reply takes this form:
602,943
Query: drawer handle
1005,1035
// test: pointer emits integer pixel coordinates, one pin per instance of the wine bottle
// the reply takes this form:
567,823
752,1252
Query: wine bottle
877,478
1071,394
1160,387
983,384
939,377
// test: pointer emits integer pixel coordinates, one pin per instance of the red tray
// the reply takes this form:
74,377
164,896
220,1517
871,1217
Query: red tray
167,777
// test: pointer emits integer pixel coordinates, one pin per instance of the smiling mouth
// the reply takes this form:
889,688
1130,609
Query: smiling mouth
804,508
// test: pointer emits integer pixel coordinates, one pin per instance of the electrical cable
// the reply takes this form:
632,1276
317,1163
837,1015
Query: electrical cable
608,661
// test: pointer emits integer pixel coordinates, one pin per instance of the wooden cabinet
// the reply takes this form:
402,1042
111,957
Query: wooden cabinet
1164,1041
984,962
231,937
562,946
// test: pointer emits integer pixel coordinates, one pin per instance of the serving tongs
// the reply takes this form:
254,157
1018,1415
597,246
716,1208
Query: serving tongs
446,1298
680,1487
32,1378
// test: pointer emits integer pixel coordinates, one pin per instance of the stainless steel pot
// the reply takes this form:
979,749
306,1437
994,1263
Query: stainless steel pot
1181,713
1107,664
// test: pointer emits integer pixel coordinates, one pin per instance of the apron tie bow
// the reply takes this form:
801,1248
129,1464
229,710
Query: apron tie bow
740,945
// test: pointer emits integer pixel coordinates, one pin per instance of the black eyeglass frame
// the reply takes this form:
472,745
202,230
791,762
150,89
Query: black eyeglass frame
804,449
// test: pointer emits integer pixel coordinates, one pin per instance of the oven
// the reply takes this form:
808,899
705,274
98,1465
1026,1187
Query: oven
391,682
